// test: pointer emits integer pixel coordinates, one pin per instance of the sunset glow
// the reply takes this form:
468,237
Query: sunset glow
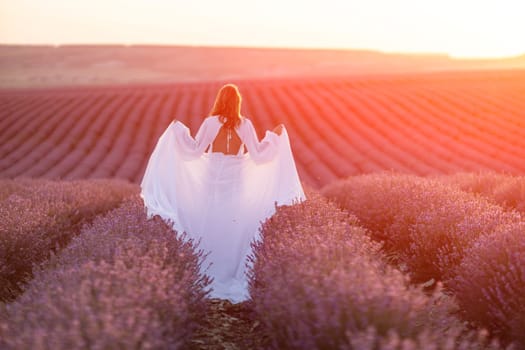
366,189
460,28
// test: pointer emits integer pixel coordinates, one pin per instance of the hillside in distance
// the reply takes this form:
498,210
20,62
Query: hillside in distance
73,65
424,123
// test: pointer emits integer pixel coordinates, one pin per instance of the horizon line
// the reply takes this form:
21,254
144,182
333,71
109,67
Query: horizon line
263,47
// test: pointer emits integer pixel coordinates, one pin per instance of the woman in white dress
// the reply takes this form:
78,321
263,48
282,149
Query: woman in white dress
217,193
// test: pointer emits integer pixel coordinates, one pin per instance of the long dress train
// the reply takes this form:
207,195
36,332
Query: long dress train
217,199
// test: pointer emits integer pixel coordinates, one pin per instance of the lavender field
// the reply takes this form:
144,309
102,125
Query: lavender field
373,261
412,236
423,124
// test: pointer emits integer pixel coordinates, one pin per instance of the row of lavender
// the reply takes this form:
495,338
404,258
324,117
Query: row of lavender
41,216
319,282
121,282
435,230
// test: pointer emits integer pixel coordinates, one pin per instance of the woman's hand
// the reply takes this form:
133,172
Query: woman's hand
278,129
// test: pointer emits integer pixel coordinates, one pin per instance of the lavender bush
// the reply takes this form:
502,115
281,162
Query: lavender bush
319,282
123,282
40,216
455,339
490,282
425,223
505,190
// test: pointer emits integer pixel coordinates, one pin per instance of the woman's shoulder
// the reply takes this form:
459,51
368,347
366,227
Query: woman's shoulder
212,119
245,120
245,123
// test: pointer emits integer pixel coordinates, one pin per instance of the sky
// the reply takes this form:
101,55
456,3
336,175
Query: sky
460,28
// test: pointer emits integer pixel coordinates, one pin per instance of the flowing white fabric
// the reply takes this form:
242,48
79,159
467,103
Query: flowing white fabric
217,199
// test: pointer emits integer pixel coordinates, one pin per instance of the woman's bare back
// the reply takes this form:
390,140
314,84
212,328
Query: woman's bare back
220,144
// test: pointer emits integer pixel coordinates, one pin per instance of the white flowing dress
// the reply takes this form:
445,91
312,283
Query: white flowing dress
220,200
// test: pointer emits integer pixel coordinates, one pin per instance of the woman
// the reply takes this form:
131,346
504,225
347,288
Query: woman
217,193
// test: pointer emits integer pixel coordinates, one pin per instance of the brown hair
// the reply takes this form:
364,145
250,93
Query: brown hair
228,106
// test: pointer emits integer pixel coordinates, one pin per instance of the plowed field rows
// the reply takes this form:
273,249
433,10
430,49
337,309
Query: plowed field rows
422,124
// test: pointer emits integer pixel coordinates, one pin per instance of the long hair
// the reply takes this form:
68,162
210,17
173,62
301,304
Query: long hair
228,106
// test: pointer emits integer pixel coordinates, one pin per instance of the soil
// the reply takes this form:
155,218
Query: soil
230,326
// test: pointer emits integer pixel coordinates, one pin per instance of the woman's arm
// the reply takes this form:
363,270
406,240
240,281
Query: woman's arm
262,151
194,147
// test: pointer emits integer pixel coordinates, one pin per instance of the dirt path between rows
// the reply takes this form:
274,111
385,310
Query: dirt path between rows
229,326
